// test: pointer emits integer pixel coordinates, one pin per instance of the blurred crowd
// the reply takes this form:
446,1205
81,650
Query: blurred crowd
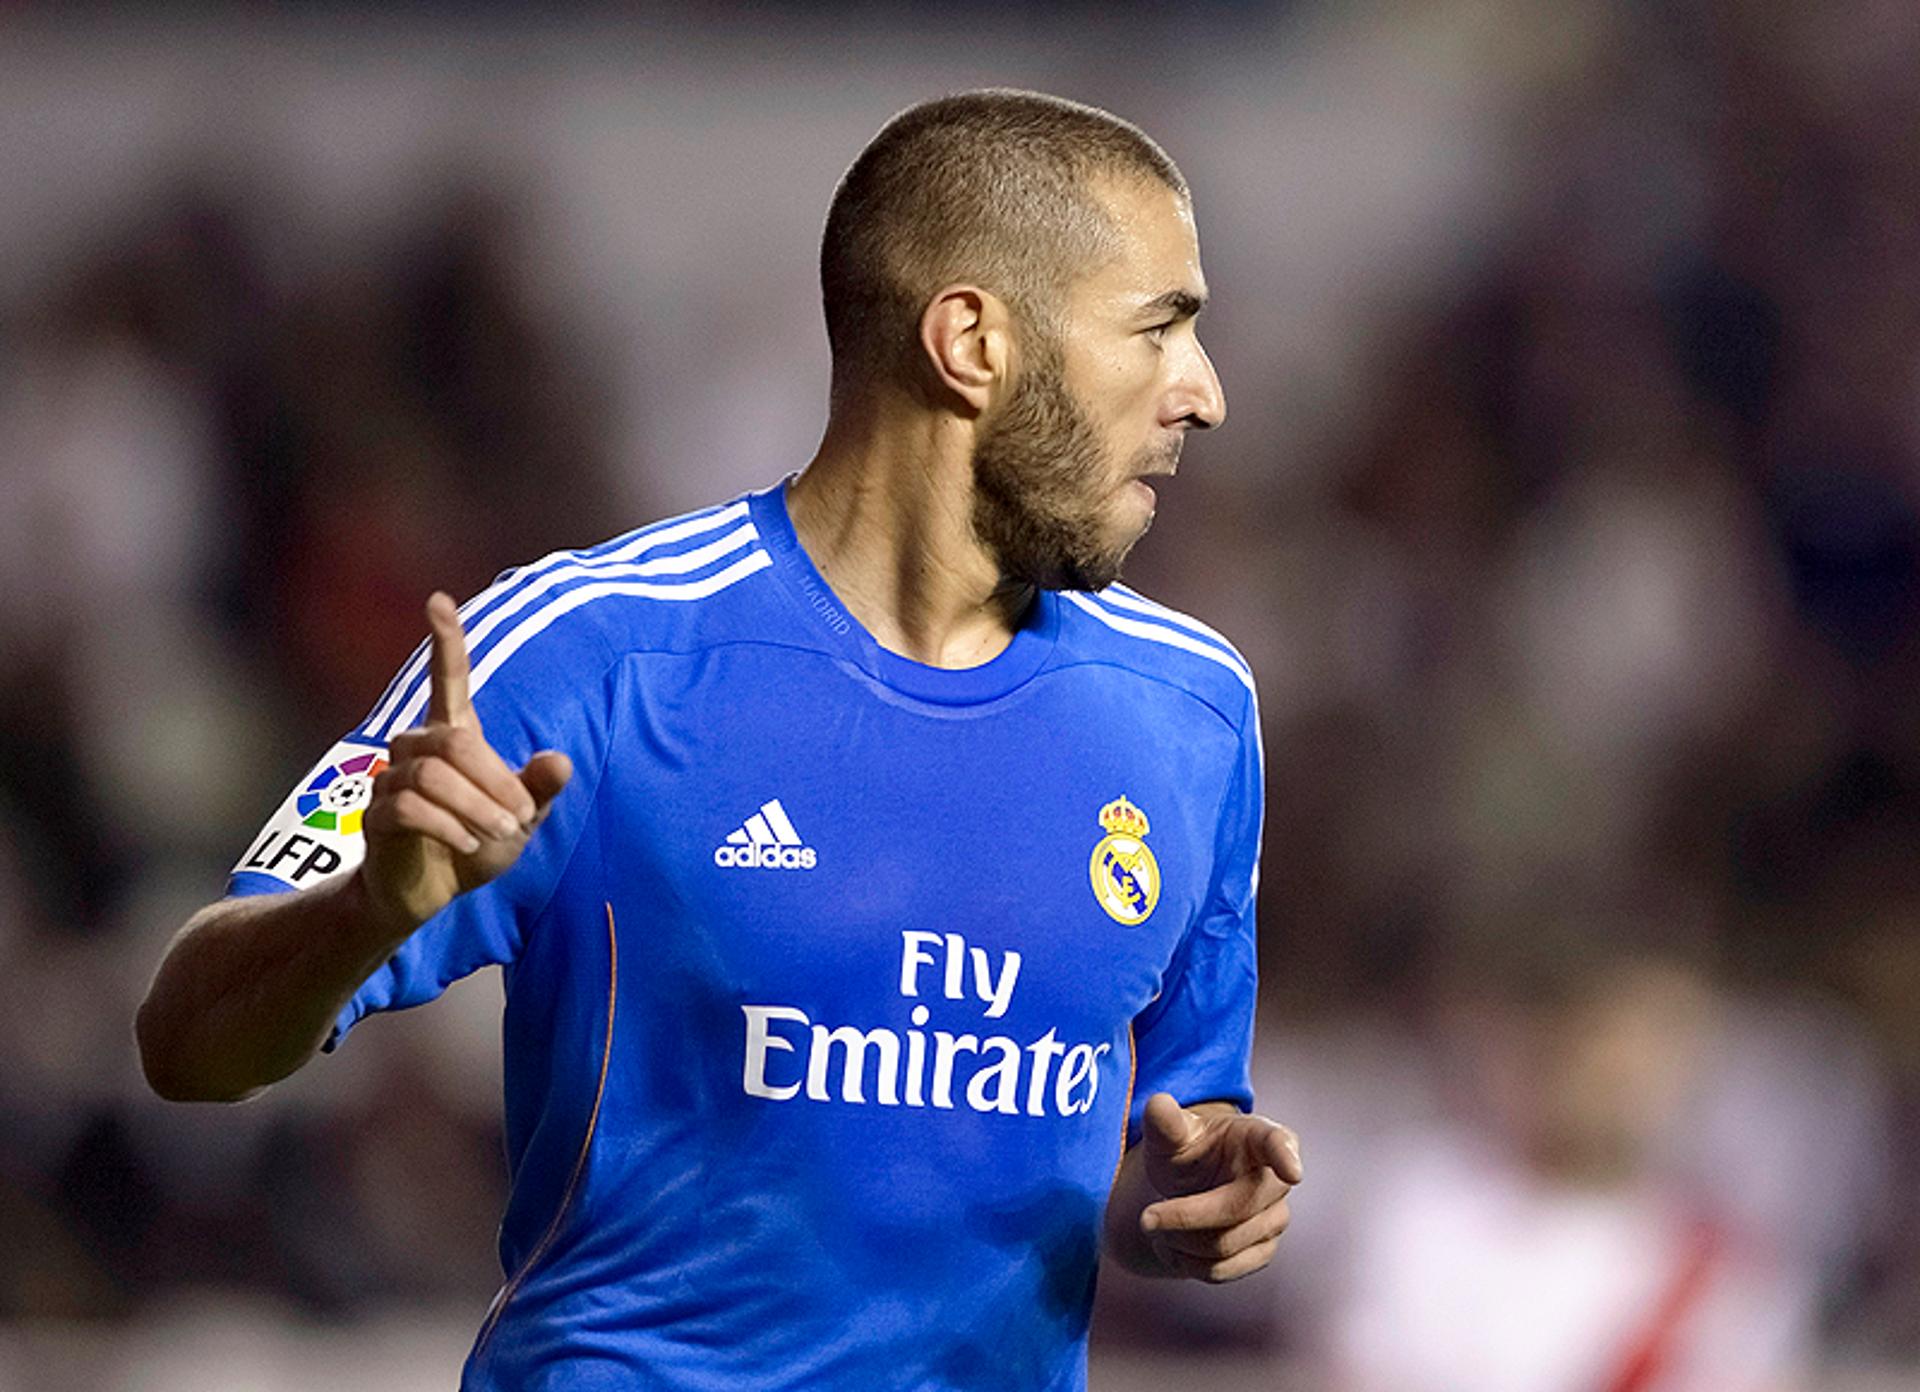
227,499
1590,651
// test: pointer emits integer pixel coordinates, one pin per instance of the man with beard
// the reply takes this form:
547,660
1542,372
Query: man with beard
872,874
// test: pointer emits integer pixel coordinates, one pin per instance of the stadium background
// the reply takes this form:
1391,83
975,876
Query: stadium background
1569,510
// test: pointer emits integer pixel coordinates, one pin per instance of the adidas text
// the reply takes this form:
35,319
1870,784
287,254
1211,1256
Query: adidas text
751,857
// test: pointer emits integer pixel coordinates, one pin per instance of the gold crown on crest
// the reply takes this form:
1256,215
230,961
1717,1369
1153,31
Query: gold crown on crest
1122,818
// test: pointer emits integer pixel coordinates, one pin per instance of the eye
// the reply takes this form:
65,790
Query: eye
1158,332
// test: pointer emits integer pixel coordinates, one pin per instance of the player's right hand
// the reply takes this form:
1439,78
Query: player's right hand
447,813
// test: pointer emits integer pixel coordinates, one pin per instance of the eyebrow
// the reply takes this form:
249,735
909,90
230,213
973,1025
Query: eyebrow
1183,304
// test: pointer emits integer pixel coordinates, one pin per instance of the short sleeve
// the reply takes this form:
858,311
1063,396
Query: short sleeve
1196,1037
553,695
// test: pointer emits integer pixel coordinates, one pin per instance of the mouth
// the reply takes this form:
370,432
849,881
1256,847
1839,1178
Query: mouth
1143,479
1163,463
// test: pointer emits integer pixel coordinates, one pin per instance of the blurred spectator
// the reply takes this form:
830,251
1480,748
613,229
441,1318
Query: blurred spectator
1544,1236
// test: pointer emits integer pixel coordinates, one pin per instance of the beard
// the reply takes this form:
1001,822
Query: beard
1040,476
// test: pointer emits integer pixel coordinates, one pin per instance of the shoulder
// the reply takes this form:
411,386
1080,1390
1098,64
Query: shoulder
558,623
1120,627
664,585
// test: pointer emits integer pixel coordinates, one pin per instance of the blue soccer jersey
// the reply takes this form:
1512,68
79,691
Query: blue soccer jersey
835,982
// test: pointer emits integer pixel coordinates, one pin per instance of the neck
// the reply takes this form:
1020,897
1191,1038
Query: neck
885,512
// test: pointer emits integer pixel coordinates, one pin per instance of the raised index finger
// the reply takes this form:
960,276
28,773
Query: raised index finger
448,701
1283,1154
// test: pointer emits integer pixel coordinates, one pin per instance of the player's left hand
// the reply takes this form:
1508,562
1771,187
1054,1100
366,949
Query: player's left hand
1224,1178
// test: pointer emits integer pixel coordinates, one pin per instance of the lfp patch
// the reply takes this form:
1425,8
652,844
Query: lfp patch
336,797
317,831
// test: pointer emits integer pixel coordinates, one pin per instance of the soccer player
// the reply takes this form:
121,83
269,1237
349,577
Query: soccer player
872,874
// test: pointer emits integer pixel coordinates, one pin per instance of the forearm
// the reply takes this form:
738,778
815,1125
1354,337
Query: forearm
250,988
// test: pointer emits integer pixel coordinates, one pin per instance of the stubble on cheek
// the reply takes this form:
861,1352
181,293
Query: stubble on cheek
1043,490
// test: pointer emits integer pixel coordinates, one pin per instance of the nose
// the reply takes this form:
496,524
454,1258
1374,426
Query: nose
1198,399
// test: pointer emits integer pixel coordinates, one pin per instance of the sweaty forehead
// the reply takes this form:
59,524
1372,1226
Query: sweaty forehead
1156,252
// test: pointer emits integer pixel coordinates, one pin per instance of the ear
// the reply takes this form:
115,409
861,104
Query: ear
966,335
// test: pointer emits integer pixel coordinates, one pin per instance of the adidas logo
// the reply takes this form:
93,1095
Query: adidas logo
767,842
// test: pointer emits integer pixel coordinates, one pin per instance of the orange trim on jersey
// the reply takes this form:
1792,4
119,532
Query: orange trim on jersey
508,1291
1126,1108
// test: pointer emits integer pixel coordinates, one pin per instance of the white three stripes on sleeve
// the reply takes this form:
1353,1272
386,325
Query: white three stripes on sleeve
537,622
1122,597
553,569
1161,633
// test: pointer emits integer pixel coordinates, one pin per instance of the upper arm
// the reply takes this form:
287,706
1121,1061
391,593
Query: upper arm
1196,1038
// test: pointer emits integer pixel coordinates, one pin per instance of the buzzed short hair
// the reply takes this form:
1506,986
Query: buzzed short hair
993,187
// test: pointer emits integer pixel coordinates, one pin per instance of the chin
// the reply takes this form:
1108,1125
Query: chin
1095,568
1139,505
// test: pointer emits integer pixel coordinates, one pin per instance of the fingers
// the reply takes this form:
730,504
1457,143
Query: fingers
1196,1239
445,786
544,776
1216,1272
463,749
408,812
1218,1243
448,698
1166,1127
1282,1151
1218,1209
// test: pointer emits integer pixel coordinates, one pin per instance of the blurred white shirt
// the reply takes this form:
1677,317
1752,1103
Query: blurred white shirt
1470,1274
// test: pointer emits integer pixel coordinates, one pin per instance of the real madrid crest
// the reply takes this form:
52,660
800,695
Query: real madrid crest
1126,877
